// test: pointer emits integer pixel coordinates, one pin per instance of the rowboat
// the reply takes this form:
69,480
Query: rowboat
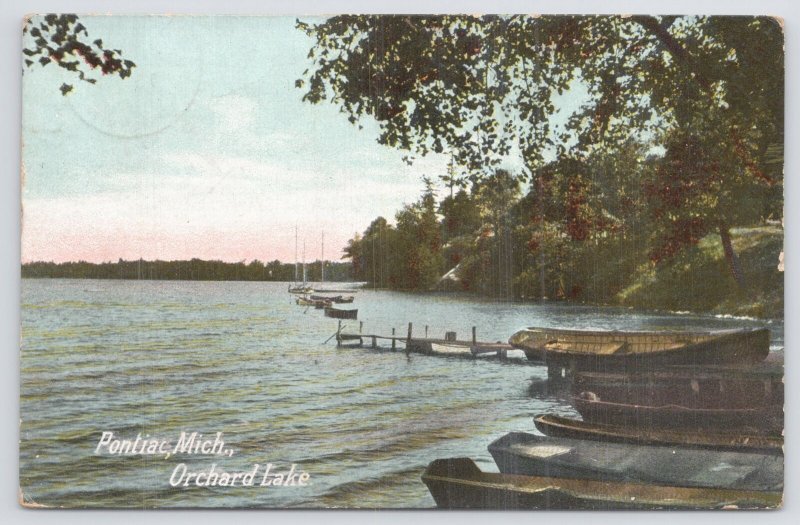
740,440
336,290
599,350
763,418
532,455
336,313
338,299
703,387
316,303
459,484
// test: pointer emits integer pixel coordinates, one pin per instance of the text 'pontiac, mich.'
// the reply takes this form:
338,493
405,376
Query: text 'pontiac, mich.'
198,445
188,443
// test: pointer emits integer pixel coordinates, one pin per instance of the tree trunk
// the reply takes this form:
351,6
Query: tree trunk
730,255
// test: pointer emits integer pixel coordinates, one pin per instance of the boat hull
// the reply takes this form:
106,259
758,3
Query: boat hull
765,418
335,313
735,440
459,484
579,350
531,455
707,387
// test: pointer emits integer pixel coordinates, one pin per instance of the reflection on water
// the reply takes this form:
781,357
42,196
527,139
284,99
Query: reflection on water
157,358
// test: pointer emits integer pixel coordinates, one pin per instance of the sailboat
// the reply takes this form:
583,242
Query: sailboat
338,298
328,298
295,288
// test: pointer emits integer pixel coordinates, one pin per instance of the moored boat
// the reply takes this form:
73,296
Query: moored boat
337,313
337,299
324,298
532,455
458,483
600,350
695,387
742,440
760,418
337,290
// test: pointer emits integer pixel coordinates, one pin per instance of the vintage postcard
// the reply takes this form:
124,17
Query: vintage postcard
370,261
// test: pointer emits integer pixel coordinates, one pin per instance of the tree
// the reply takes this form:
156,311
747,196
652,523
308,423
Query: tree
484,88
64,41
420,243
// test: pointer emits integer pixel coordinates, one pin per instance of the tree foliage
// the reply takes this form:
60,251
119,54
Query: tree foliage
64,41
192,270
485,88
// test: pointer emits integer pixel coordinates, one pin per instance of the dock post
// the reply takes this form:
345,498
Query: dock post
474,337
426,331
339,334
394,341
360,326
408,337
553,372
374,342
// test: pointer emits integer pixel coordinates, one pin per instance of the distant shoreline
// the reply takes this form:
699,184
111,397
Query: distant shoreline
191,270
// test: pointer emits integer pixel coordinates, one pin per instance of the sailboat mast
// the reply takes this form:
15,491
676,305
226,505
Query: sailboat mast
304,264
322,259
296,268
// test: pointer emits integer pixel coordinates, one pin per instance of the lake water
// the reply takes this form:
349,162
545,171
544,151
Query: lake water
159,357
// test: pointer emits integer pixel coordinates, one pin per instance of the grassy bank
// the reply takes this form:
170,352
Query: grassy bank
699,280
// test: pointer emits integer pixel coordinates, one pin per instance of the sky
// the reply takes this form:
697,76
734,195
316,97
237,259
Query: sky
206,151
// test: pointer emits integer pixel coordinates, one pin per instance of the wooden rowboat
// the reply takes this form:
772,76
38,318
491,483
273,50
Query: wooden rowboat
740,440
697,388
764,418
459,484
599,350
336,313
532,455
324,298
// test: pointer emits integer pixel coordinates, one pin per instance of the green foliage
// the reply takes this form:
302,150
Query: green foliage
405,256
192,270
585,233
64,41
708,90
697,280
478,85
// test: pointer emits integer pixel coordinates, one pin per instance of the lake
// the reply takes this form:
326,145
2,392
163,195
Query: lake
155,358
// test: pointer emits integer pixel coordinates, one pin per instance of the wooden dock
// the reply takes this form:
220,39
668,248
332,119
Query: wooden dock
450,345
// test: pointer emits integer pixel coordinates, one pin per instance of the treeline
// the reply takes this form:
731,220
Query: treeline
192,270
580,230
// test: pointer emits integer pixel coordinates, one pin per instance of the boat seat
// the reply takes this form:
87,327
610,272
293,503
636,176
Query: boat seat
609,348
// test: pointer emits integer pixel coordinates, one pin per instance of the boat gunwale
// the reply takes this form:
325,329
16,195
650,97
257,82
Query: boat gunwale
578,429
644,494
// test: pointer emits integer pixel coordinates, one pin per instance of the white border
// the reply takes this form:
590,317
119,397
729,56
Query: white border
10,35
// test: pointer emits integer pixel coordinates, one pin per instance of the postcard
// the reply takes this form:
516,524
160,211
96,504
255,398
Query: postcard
385,262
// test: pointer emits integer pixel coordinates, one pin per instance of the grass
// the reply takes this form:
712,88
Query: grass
699,280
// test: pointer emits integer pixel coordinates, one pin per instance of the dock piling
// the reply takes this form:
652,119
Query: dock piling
449,345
